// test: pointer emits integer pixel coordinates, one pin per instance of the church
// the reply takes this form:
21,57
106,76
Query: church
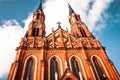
61,55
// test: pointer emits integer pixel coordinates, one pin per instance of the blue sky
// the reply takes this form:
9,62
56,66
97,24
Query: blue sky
103,22
110,36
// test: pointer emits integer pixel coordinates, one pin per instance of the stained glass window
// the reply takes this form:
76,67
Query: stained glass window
75,67
29,70
54,70
99,70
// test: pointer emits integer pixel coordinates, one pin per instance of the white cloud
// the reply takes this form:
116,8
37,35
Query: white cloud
56,10
11,32
91,12
27,21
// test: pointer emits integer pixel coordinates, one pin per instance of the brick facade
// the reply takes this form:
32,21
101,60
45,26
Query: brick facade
61,55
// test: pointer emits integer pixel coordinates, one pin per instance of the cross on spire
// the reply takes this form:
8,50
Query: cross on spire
58,23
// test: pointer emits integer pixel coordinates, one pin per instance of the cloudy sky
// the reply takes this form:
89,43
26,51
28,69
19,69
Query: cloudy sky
101,16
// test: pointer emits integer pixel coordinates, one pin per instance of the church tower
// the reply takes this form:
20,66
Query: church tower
29,61
61,55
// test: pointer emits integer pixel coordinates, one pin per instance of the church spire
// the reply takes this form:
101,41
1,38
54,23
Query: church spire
40,6
37,26
78,28
70,10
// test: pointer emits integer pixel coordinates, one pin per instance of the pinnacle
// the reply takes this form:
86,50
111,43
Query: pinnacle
70,9
40,6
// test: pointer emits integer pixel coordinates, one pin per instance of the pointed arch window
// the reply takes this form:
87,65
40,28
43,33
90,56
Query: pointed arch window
38,16
54,70
98,69
77,17
35,31
29,70
82,32
75,68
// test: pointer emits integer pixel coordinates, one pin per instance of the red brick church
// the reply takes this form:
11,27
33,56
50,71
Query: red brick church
61,55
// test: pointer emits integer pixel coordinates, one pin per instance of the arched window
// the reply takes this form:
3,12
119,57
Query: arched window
35,31
38,16
82,32
29,70
75,68
98,69
54,70
76,17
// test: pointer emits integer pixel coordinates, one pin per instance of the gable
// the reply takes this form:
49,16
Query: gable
68,75
61,38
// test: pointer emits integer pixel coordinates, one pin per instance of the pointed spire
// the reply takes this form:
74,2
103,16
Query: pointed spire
70,10
40,6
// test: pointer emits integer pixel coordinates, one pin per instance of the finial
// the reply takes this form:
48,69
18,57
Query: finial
58,23
67,29
40,6
52,29
70,10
